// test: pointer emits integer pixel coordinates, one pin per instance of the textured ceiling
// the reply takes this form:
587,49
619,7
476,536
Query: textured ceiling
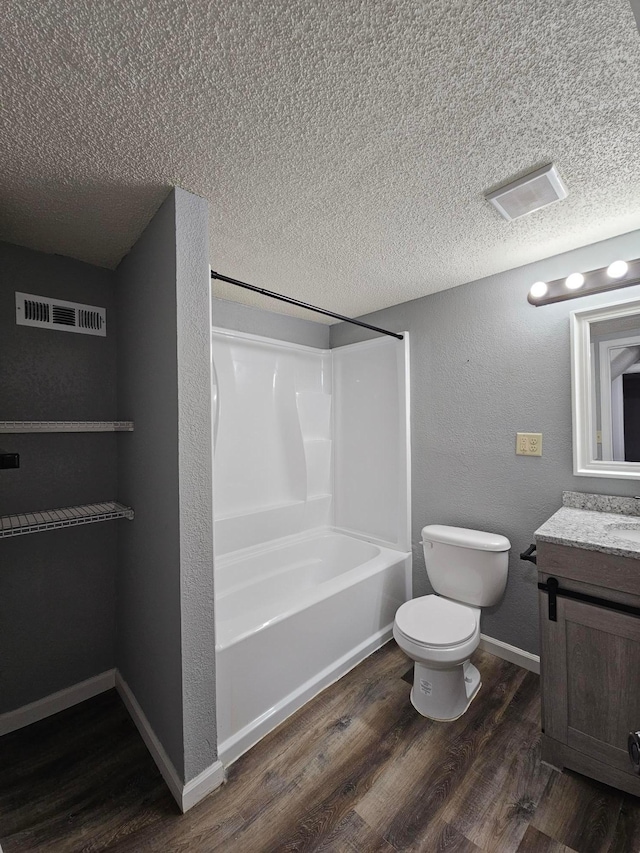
344,147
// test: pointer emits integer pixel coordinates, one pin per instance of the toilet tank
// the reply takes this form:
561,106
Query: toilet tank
465,565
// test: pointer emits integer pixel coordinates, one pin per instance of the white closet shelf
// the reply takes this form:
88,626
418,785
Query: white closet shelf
70,516
65,426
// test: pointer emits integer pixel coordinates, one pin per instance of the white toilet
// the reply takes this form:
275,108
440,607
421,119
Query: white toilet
468,570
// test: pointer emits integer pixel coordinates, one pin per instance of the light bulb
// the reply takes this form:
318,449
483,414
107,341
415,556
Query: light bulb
538,289
574,281
618,269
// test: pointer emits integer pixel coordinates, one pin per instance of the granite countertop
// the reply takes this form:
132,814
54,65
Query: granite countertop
600,527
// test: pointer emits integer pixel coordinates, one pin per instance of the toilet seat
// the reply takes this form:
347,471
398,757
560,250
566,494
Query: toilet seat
435,622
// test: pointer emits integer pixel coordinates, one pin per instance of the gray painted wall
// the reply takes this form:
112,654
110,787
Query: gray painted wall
269,324
484,365
57,589
166,648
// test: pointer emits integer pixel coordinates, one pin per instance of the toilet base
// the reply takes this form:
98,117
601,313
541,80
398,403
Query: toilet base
444,694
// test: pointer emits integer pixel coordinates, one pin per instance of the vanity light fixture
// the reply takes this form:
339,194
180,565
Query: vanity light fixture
538,289
618,274
574,281
618,269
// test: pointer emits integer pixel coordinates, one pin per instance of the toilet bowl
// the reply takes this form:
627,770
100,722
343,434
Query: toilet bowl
440,636
440,632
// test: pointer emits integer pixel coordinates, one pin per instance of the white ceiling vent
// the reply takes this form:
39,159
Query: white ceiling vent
536,190
57,314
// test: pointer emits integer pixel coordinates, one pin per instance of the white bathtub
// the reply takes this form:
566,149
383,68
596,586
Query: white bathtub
291,618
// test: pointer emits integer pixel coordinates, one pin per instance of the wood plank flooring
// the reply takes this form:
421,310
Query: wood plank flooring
357,770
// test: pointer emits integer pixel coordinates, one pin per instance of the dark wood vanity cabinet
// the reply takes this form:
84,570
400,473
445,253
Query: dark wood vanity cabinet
590,664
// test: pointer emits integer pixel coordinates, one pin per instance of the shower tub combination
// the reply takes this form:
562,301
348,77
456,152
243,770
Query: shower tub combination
310,566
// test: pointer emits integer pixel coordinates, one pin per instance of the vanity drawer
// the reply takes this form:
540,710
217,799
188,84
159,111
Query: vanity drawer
607,571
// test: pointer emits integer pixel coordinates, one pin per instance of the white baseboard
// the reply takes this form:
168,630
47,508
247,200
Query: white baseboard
162,760
34,711
187,795
204,783
511,653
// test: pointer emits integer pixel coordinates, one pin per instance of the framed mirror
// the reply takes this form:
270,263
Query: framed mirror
605,381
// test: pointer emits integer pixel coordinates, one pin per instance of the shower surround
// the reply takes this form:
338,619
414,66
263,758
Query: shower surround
311,501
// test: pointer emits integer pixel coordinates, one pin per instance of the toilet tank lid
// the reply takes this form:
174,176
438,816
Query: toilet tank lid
463,537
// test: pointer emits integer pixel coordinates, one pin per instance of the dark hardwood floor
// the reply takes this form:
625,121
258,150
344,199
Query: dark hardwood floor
357,770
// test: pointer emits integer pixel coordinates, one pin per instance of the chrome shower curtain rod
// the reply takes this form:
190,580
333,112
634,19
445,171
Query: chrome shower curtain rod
300,304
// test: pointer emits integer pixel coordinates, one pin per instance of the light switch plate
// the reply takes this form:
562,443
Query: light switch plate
529,444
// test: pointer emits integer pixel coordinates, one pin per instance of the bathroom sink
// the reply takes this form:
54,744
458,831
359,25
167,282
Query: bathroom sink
631,533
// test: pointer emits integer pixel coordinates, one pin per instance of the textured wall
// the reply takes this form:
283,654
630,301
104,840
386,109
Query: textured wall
269,324
195,447
165,597
484,365
57,589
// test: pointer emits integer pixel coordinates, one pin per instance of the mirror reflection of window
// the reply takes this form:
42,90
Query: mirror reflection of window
615,353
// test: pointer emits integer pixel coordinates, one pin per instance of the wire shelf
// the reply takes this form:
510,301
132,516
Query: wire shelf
65,426
53,519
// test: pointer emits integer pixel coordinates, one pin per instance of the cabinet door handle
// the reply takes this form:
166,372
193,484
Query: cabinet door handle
633,748
551,588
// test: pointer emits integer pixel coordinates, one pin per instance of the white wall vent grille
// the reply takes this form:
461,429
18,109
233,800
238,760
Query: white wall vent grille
535,190
57,314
